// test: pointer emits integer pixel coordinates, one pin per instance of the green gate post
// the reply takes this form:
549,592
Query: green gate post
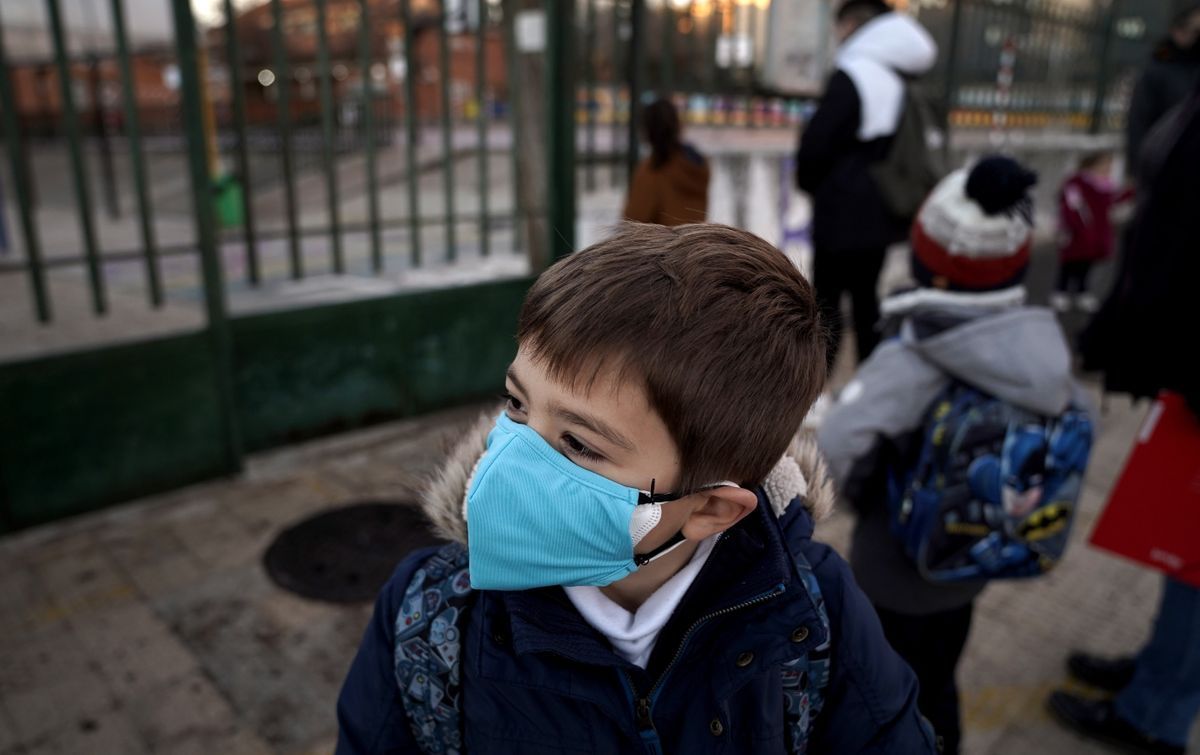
234,54
615,72
951,84
134,134
15,148
329,153
410,132
447,135
560,112
666,61
519,215
636,60
482,124
283,80
205,216
368,93
589,70
83,197
1110,19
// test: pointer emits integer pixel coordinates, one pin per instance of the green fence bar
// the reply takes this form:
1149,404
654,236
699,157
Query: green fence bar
617,47
205,215
134,135
410,131
364,67
234,54
1106,38
560,115
636,58
589,68
327,134
666,83
511,63
78,168
715,20
481,99
283,80
15,149
447,135
690,79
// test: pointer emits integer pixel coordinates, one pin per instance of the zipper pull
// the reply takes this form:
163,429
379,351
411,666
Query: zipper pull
642,712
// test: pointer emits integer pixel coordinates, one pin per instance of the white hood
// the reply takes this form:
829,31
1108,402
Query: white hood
873,57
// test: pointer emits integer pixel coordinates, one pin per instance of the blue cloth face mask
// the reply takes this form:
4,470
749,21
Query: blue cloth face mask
536,519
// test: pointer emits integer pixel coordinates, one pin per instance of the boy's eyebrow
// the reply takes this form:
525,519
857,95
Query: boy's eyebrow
567,415
511,374
594,425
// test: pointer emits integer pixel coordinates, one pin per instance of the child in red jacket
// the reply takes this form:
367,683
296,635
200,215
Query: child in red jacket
1085,230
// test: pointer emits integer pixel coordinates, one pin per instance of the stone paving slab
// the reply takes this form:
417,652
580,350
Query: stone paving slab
152,627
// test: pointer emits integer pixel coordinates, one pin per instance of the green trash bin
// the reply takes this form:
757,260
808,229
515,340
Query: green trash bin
227,195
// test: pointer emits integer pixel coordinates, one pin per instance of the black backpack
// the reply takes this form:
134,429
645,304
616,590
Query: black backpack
911,169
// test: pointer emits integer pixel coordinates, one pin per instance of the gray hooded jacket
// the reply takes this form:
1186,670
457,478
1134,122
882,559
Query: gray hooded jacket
990,341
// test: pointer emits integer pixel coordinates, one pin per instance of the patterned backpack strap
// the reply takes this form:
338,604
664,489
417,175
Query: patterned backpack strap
428,647
805,679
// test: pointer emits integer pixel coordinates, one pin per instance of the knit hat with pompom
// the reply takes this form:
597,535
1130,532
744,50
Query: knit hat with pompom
975,230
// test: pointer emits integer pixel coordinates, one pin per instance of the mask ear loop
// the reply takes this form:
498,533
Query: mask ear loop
652,497
672,543
677,539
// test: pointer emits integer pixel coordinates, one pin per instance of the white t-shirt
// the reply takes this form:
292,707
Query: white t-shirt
633,634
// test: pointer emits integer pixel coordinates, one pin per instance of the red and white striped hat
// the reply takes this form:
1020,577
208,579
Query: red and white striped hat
975,230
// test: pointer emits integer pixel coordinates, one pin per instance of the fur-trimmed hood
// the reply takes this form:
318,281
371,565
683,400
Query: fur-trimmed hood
800,475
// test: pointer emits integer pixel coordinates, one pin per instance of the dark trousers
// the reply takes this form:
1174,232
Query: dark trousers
855,273
1072,276
932,645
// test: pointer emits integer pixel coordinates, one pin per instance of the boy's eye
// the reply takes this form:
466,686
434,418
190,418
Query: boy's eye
512,403
576,448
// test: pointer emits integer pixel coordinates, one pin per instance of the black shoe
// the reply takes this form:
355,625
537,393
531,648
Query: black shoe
1109,674
1097,719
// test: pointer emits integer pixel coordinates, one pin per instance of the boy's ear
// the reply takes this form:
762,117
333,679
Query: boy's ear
722,508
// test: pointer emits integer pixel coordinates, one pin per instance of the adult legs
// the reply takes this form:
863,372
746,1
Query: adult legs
932,645
829,282
1164,696
863,283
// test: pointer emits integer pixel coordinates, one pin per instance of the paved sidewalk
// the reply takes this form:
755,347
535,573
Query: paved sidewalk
152,627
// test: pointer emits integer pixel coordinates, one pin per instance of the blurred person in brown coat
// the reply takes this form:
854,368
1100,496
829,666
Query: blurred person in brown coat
670,187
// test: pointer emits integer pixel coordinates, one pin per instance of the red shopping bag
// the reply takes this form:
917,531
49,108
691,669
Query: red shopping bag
1153,514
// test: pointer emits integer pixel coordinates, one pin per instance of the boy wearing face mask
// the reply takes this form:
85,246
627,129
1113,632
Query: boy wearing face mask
631,566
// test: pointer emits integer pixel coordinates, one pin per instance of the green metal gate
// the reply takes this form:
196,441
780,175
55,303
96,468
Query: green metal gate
103,424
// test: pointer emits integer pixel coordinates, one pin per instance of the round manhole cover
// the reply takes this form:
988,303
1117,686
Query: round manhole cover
346,554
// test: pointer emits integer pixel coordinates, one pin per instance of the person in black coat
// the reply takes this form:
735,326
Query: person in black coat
1144,341
1142,338
1165,82
851,129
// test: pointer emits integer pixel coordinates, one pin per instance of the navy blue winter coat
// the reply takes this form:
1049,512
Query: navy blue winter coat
537,678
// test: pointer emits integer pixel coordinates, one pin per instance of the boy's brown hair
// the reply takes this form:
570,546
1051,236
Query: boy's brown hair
718,325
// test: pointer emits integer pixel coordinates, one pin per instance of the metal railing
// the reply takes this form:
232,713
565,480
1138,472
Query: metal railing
323,115
391,37
1072,65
